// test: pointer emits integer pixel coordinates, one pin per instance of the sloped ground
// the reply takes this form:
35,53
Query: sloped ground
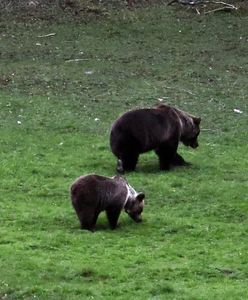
83,10
61,86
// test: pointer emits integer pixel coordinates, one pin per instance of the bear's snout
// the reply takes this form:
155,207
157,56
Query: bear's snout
136,217
194,145
138,220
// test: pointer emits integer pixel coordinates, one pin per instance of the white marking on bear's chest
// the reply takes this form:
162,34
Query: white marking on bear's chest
131,193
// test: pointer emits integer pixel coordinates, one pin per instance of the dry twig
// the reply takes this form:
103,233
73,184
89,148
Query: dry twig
47,35
225,6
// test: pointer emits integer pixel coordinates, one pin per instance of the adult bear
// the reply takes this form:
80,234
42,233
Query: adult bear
160,129
91,194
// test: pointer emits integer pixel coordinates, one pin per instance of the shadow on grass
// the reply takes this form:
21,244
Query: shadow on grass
124,224
152,168
68,224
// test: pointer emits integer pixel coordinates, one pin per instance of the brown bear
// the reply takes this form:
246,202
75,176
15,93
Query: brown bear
160,129
92,194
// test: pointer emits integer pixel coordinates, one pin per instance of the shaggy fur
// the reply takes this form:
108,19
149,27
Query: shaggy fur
159,129
92,194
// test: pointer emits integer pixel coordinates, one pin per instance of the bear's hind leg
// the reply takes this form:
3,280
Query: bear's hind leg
88,218
113,216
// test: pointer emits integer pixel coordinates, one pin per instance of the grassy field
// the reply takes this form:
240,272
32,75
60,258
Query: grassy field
61,86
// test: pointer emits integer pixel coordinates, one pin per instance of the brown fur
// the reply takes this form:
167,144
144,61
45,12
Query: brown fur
92,194
159,129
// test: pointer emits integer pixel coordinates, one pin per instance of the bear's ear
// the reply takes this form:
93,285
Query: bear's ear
140,197
161,106
196,120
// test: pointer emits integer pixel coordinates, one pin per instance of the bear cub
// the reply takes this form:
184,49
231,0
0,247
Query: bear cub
159,129
92,194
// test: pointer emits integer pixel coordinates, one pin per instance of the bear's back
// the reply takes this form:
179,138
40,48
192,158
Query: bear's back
144,128
96,190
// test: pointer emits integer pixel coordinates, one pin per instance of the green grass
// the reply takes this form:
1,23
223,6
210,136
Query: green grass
55,118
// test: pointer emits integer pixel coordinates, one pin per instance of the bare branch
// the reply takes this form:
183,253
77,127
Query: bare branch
224,3
225,6
220,8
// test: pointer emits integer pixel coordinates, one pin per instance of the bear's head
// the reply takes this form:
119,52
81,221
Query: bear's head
190,133
135,204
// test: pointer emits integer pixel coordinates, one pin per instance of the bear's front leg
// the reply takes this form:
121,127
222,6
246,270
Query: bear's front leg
119,167
164,163
179,161
166,152
113,214
127,162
